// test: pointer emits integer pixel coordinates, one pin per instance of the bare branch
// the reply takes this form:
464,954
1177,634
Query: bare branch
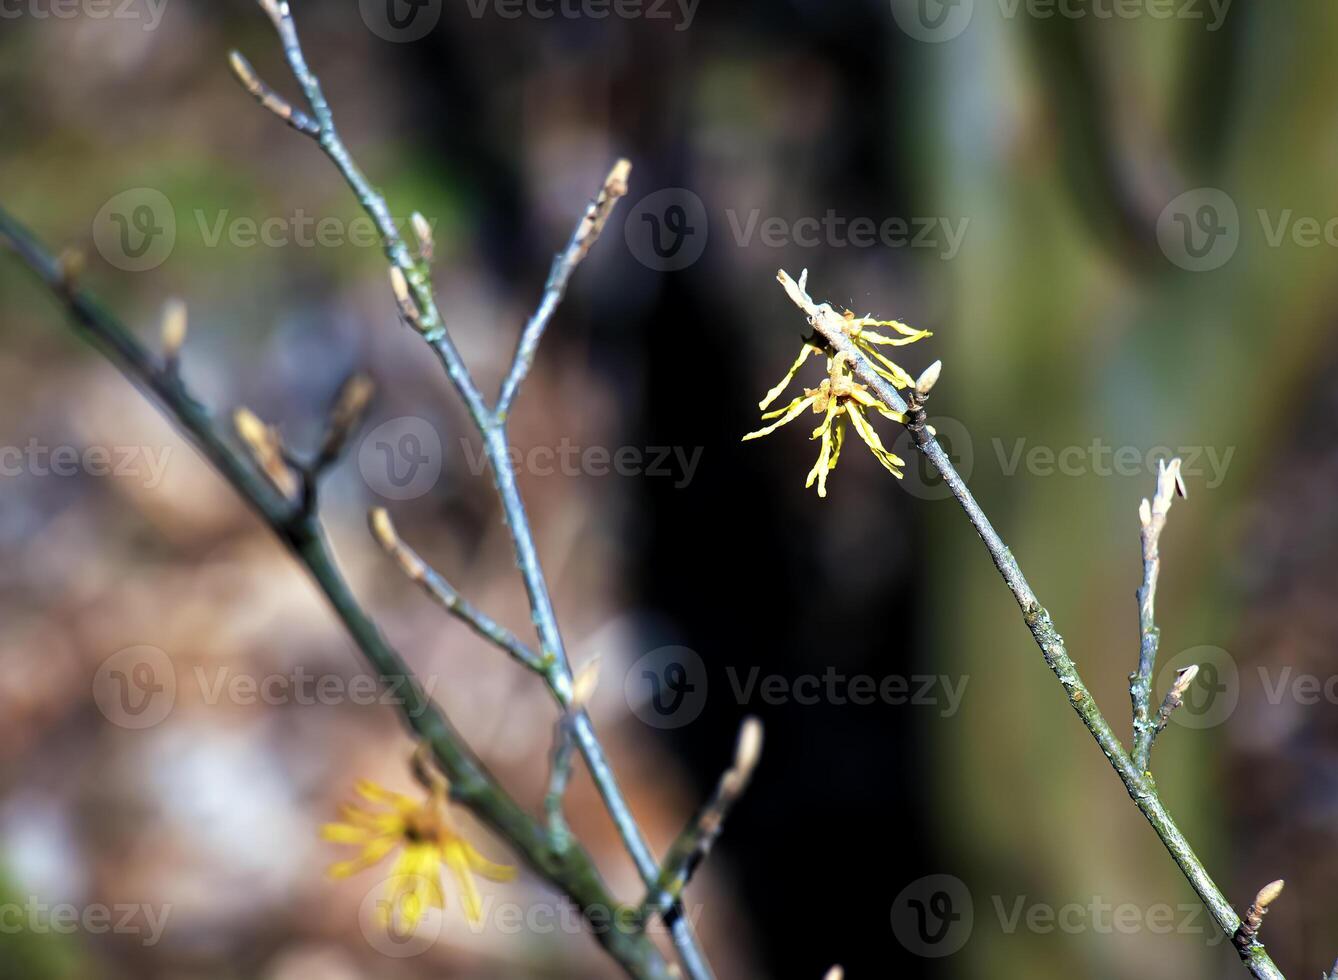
695,842
1152,519
582,240
827,322
270,99
419,572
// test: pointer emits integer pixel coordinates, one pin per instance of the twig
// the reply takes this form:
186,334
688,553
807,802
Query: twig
1247,936
572,870
1152,520
1174,698
582,240
383,529
829,323
412,284
695,842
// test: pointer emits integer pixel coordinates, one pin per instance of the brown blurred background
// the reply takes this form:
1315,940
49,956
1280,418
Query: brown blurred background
1118,218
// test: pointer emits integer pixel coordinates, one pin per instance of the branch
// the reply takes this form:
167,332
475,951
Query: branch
383,529
572,870
582,240
411,283
696,840
1152,519
829,324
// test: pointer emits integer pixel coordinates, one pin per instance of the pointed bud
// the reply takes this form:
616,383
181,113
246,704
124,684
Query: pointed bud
587,680
266,449
1269,894
71,264
1145,513
1183,679
408,308
749,749
427,248
835,973
928,378
173,330
350,405
383,528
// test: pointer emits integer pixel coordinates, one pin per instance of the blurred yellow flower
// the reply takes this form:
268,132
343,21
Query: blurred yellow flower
839,398
424,831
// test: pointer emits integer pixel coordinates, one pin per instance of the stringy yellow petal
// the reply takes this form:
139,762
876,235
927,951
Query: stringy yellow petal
796,407
789,376
481,865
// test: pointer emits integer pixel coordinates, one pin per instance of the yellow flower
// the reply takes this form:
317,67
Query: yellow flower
868,341
838,399
429,841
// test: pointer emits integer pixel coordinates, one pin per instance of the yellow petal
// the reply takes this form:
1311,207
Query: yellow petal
481,865
797,406
371,854
470,899
789,376
343,833
373,793
839,439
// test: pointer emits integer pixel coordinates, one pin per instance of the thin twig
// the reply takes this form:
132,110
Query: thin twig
1152,521
383,529
411,281
692,846
829,324
582,240
572,870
